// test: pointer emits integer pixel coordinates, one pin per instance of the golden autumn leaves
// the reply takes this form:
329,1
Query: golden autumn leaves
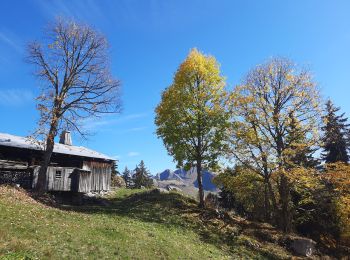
193,112
192,118
200,121
253,118
268,126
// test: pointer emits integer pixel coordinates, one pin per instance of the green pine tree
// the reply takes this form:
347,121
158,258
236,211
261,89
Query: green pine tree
115,169
302,150
127,177
336,133
142,176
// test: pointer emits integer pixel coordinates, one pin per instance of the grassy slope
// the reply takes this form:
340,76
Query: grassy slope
135,225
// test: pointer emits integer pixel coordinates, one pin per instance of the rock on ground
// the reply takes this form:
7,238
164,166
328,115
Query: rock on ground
160,190
173,188
303,246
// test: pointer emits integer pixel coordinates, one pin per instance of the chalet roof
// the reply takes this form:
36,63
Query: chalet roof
26,143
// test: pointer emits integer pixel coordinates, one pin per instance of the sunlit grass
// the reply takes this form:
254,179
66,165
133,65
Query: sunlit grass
134,225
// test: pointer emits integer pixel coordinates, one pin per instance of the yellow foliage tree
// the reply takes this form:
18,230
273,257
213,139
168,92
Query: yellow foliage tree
338,175
246,187
192,118
263,106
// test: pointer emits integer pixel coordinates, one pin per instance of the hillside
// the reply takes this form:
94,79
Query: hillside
128,224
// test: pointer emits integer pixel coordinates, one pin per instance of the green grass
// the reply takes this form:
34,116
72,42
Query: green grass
135,225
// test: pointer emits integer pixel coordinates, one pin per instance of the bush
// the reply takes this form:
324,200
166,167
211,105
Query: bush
337,179
242,191
118,181
211,201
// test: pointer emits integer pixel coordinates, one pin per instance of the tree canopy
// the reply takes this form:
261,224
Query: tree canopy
275,98
192,117
72,63
336,135
142,176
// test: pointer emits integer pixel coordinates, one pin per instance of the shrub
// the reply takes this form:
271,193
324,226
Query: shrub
117,181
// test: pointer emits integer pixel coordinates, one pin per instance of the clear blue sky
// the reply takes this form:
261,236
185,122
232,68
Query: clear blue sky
149,39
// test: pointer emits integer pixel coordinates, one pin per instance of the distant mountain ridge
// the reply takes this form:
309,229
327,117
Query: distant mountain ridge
188,178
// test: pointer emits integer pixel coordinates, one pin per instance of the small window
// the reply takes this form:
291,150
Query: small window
58,174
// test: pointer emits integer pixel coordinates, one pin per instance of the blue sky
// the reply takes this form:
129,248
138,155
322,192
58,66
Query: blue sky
150,38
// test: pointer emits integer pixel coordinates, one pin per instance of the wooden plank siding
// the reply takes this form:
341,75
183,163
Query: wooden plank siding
62,183
84,182
55,181
100,175
94,176
78,173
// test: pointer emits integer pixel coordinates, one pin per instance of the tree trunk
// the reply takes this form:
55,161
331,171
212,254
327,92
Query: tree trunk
266,200
200,184
267,191
274,212
50,142
285,217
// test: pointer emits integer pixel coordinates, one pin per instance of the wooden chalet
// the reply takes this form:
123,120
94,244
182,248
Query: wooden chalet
72,168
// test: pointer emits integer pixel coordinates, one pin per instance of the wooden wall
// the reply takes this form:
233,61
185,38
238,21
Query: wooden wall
84,182
53,181
99,178
100,175
94,176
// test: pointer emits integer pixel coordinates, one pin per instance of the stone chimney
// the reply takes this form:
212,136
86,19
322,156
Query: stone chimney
66,138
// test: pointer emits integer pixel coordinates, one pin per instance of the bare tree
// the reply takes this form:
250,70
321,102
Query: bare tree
72,63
